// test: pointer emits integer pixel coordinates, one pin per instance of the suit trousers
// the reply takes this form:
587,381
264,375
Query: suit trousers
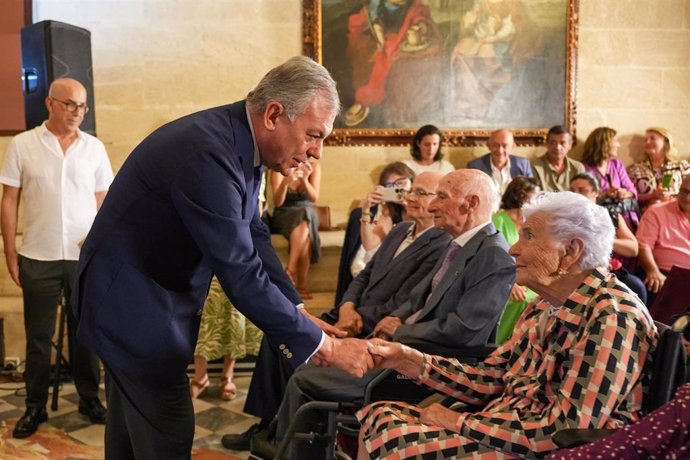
42,283
312,383
147,418
269,379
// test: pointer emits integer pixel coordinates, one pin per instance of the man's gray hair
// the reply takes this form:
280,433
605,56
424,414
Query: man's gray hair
573,216
294,84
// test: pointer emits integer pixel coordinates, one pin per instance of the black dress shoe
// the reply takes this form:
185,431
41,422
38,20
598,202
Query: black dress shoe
241,441
93,409
28,424
263,446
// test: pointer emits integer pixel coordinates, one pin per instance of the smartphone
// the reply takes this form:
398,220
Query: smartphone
392,194
666,181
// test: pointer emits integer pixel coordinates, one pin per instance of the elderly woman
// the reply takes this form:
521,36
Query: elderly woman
658,177
576,358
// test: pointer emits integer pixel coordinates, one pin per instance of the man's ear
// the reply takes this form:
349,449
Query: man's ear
273,110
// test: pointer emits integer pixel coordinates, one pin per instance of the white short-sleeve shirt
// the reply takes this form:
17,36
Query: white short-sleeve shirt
58,190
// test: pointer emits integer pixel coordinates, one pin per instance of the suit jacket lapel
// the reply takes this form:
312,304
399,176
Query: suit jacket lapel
456,269
385,260
245,149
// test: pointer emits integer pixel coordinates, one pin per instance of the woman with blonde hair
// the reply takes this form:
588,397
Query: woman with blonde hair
657,178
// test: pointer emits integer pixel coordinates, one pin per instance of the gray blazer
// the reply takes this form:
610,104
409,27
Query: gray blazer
466,305
386,282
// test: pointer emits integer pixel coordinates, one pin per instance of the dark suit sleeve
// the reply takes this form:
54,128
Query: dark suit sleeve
403,292
479,298
272,265
528,169
212,200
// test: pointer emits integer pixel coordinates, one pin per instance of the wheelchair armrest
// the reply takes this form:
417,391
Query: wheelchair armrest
574,437
464,354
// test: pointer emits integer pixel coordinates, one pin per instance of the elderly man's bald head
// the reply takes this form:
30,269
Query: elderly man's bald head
61,86
464,199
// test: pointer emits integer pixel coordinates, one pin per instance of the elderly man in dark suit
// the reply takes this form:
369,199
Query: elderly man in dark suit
407,254
458,304
182,208
499,163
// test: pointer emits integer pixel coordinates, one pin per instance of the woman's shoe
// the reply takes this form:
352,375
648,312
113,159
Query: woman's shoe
197,388
228,390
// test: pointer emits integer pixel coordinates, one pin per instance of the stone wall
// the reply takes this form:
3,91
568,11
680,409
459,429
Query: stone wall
155,60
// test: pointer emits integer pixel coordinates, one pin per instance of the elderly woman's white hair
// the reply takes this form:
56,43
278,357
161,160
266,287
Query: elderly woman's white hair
573,216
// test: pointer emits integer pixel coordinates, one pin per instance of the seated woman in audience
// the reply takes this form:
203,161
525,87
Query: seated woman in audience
625,244
508,221
295,218
576,359
224,332
426,151
371,222
657,178
600,158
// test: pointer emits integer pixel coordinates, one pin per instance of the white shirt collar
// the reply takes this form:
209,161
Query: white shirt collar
257,155
43,131
463,239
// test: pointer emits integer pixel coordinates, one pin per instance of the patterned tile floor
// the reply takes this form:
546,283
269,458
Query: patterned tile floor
69,435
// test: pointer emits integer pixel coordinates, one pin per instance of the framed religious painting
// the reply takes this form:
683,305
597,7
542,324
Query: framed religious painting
466,66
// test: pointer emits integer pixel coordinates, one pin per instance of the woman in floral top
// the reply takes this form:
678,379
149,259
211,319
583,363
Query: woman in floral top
577,357
660,160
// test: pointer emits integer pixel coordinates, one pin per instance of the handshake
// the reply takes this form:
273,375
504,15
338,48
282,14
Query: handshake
358,356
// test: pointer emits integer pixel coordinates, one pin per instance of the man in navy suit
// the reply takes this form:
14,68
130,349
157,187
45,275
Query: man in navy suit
499,164
182,208
457,304
407,254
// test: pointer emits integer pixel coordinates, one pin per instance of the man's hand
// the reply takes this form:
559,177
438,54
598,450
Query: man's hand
394,355
386,328
350,355
518,293
349,320
438,415
13,267
329,329
654,280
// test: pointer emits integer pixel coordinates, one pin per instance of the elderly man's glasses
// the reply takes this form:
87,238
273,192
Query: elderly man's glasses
419,193
72,106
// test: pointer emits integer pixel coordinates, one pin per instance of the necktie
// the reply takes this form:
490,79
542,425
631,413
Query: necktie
451,253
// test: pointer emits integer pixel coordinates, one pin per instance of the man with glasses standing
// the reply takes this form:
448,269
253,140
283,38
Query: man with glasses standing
63,175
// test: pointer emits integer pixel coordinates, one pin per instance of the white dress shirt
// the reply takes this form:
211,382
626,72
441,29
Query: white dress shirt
58,190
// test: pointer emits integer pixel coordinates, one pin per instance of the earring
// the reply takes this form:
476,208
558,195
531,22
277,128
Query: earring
561,271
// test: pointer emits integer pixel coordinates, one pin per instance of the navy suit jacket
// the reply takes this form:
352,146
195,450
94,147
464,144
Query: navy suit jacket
386,282
518,166
464,308
183,207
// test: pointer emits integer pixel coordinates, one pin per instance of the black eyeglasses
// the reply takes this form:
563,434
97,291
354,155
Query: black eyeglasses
72,106
420,193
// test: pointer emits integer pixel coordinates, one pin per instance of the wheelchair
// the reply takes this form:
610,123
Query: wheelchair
669,367
386,385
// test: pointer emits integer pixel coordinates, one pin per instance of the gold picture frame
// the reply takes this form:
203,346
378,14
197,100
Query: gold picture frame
438,64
